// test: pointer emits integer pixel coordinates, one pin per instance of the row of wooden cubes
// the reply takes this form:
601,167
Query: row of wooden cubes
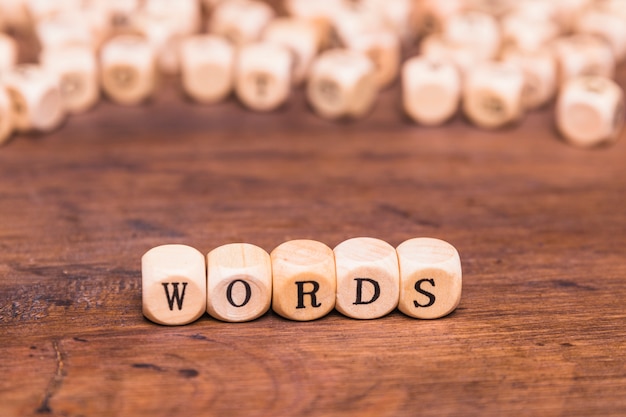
341,84
363,278
260,57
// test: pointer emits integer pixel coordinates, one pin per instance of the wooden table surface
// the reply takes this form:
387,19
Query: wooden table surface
540,226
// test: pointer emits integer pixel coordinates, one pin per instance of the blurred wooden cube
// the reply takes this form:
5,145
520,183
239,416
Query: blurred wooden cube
590,111
128,69
36,99
76,68
161,32
431,90
263,75
607,25
301,37
474,30
583,54
384,49
304,281
342,84
492,95
540,74
207,67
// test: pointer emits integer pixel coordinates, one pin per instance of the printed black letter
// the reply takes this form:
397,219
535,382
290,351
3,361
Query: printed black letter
359,291
229,293
175,295
301,293
431,297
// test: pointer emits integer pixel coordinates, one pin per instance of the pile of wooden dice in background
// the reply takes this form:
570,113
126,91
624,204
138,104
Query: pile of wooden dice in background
363,278
495,59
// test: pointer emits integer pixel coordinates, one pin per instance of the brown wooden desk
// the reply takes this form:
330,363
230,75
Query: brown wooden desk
541,228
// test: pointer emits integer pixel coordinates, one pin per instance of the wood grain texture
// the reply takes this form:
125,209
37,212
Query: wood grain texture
540,228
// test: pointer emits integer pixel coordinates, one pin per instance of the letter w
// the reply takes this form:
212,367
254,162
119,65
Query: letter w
176,296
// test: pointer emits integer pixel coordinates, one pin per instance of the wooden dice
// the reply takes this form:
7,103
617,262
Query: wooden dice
431,90
239,282
367,278
384,49
36,99
304,282
430,278
173,284
342,84
540,74
128,73
263,75
492,95
77,71
207,66
301,37
583,54
590,111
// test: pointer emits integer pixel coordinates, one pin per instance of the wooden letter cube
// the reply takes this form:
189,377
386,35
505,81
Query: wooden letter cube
301,37
37,101
77,70
368,280
239,282
342,83
263,76
492,95
208,65
590,110
173,284
304,281
161,33
240,21
128,73
384,49
583,55
430,278
431,90
540,74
